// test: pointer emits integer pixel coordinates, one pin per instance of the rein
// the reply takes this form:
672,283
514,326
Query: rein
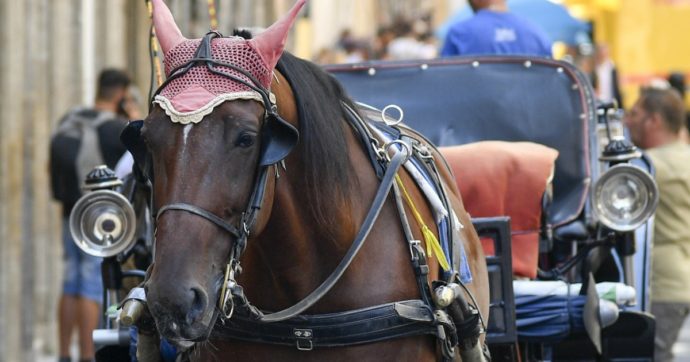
381,194
155,62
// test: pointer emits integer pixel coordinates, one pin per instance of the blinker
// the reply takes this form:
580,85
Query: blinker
279,138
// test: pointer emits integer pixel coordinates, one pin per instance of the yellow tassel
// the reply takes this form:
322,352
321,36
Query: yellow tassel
433,246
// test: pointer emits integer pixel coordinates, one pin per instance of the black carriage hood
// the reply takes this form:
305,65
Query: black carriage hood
460,100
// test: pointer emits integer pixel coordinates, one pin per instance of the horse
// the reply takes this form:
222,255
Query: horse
316,194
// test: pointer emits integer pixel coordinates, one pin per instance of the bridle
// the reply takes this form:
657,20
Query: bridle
204,57
232,294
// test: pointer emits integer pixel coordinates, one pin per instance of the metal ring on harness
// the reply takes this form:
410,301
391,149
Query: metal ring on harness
407,149
385,118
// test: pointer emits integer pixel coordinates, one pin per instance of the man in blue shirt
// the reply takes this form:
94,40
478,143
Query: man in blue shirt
493,30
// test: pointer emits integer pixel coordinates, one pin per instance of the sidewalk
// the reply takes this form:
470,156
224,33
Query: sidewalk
682,347
74,349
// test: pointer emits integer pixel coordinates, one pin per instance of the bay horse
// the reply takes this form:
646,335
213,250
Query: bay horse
316,194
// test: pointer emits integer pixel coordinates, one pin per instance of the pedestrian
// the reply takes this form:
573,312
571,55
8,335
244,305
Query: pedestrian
407,44
655,122
384,35
677,81
605,76
494,30
86,137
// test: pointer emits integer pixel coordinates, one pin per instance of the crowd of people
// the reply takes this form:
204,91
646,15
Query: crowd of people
403,40
492,30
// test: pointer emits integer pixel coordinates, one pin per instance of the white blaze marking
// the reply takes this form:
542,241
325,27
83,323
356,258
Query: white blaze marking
186,130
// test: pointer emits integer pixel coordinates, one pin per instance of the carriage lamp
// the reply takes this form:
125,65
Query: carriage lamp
624,197
618,149
103,222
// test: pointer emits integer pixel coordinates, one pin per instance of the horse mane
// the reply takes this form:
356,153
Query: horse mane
325,155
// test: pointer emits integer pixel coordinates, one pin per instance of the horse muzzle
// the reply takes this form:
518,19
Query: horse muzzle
181,313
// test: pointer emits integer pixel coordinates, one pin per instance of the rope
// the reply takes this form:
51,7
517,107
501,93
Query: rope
156,73
432,243
213,14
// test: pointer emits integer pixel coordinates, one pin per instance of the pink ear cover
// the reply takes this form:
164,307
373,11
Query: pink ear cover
168,33
199,88
270,43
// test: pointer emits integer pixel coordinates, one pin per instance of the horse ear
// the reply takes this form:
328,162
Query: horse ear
167,31
271,42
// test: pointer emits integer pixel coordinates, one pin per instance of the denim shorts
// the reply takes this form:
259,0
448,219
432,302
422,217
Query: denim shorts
82,272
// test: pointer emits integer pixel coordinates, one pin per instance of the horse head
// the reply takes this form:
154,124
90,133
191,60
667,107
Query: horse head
206,146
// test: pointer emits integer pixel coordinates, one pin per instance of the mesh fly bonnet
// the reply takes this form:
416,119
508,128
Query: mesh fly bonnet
193,95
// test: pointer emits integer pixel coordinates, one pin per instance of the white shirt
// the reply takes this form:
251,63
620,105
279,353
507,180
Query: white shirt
605,81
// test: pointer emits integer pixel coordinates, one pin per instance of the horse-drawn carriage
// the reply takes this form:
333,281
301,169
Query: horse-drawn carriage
273,205
467,100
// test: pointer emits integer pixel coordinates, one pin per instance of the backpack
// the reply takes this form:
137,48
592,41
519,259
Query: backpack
78,125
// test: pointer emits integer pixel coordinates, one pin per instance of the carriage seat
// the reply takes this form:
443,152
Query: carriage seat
499,178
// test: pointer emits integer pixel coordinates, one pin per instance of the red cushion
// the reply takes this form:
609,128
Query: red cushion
498,178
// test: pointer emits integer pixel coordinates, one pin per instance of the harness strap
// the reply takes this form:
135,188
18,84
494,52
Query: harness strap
455,249
200,212
433,246
355,327
369,143
418,258
250,216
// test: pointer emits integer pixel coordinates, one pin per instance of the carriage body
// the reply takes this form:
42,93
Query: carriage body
458,101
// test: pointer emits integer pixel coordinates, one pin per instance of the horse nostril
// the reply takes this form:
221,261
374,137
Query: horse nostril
199,302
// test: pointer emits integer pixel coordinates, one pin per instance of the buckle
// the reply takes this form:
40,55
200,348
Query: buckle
226,302
303,339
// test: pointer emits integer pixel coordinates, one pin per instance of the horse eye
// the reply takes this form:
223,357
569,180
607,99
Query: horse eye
245,140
